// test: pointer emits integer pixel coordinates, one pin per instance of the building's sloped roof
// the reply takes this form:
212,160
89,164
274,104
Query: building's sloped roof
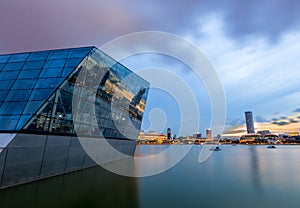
28,79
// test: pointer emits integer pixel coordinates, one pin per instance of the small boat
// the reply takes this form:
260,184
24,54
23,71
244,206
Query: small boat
271,147
216,149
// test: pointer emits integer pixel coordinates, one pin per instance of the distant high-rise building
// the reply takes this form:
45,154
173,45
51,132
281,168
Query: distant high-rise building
249,122
169,134
208,134
197,135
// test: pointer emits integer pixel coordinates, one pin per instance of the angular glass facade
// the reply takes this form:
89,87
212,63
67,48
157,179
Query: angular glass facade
53,104
28,79
52,92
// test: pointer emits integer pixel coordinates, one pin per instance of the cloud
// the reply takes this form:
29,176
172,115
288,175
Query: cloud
32,24
262,18
35,25
260,119
236,122
296,110
283,120
234,131
280,123
269,19
293,121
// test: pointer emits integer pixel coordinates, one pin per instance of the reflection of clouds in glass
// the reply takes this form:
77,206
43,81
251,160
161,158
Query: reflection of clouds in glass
102,109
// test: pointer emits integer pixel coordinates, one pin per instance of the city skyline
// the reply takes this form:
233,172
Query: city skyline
253,46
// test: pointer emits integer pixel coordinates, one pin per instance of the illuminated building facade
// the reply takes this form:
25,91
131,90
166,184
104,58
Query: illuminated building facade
49,100
151,137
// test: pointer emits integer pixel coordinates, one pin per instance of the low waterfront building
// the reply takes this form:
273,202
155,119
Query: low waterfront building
151,137
258,138
293,134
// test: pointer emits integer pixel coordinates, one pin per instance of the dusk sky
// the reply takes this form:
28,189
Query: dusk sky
253,45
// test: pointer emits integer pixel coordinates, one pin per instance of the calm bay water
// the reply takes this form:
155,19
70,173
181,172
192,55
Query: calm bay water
237,176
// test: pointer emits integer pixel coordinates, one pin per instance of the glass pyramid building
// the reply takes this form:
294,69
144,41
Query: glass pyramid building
66,94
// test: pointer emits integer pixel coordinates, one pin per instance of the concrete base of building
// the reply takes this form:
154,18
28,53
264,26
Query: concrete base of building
30,157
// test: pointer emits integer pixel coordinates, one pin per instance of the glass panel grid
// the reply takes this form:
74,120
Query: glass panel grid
12,108
56,63
29,74
7,75
38,56
33,65
6,84
18,95
24,84
79,52
2,66
14,66
4,58
35,84
8,122
18,57
51,72
58,54
3,94
40,94
47,83
42,84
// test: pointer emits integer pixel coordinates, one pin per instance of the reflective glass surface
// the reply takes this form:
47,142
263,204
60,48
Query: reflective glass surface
18,57
4,58
13,66
8,122
117,94
60,54
37,94
27,80
29,74
6,75
33,65
38,56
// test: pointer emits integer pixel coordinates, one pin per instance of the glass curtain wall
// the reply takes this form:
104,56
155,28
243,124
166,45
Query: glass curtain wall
116,95
28,79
